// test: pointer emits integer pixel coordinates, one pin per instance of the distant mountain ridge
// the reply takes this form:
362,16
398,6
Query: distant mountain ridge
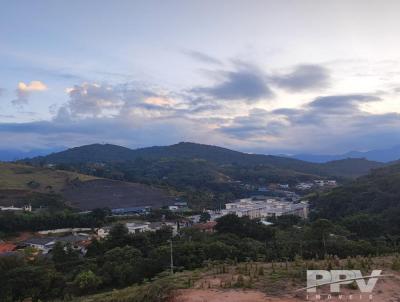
97,153
380,155
14,154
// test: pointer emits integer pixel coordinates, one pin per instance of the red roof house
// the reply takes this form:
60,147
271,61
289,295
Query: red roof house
7,247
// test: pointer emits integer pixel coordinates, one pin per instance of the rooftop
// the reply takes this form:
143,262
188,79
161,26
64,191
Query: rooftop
7,247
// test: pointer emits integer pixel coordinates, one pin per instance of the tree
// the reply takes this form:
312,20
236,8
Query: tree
244,227
286,221
58,252
122,266
204,217
321,230
86,282
119,235
63,255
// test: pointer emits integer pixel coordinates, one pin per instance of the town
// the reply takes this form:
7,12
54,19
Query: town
259,206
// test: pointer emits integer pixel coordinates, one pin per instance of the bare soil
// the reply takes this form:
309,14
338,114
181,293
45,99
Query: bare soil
210,289
113,194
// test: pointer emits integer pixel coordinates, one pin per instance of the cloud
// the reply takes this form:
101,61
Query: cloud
91,99
302,78
136,115
249,83
327,124
258,124
134,131
246,82
341,103
202,57
32,86
125,101
23,92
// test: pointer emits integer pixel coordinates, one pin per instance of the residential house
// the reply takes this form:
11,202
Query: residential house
7,248
208,227
44,244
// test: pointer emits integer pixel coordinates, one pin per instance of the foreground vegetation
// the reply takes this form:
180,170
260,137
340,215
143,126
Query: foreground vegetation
124,259
272,278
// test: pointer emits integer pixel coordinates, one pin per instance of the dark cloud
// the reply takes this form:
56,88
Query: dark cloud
302,78
135,132
337,101
327,123
340,103
245,83
258,123
202,57
323,109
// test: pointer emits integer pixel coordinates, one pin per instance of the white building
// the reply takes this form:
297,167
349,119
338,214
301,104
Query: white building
26,208
304,186
268,207
135,228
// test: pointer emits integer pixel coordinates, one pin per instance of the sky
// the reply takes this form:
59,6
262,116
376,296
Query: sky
257,75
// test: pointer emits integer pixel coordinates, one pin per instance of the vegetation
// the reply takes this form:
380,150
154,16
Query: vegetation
125,259
212,154
11,222
205,176
359,220
369,207
44,180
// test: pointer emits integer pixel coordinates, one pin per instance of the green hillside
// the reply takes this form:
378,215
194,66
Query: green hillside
368,205
44,180
98,153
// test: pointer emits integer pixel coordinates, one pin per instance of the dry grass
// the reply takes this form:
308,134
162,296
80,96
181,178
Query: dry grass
23,177
225,281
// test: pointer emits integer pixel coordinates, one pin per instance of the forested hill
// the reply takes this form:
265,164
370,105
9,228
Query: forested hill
371,201
106,153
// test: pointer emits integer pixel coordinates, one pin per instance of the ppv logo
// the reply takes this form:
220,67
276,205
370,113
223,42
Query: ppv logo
337,278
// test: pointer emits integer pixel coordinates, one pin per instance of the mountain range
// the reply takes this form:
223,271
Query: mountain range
384,155
107,153
15,154
380,155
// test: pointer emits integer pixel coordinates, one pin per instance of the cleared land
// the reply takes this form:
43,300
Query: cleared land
256,282
19,184
44,180
100,193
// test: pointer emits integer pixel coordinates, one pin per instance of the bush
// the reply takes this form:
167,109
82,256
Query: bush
86,282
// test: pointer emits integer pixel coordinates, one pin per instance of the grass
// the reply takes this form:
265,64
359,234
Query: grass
44,180
155,291
275,279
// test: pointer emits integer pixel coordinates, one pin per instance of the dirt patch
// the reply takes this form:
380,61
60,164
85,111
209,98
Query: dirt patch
113,194
257,282
199,295
387,290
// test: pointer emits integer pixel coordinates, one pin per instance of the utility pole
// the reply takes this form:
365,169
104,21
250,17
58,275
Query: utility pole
172,257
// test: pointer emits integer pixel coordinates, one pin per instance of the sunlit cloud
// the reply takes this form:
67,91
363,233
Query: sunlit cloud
32,86
23,92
